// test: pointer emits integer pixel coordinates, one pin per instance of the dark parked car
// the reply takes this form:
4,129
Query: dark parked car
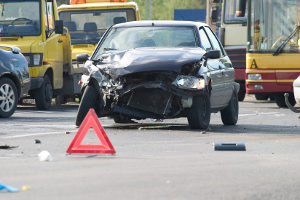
14,79
159,70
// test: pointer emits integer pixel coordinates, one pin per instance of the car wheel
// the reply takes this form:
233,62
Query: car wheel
8,97
242,91
280,100
43,95
199,114
122,119
89,100
241,95
61,99
261,96
230,114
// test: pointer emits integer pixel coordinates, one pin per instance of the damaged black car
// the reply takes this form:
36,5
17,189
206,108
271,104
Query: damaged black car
159,70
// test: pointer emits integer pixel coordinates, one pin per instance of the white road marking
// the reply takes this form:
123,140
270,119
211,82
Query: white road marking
32,134
39,125
254,114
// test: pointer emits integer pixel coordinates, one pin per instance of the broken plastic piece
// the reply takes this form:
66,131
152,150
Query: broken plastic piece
7,147
45,156
37,141
8,188
25,188
230,147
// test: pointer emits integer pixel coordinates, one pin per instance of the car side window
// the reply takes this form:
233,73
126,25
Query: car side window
214,41
204,41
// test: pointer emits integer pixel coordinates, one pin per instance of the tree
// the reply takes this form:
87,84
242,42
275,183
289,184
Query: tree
162,9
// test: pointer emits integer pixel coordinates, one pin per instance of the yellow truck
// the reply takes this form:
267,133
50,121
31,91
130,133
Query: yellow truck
35,28
87,20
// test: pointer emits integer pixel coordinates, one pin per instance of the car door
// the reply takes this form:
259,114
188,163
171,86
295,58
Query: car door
214,72
53,45
225,66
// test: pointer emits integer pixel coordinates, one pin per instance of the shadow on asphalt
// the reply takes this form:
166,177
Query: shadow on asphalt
213,128
52,108
255,129
151,126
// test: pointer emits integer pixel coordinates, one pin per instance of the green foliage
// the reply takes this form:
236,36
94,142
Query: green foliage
162,9
59,2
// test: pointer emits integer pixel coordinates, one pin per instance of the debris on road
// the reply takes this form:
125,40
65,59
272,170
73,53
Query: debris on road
25,188
37,141
45,156
7,147
8,188
230,147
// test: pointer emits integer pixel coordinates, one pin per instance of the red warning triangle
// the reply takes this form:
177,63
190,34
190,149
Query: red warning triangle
91,121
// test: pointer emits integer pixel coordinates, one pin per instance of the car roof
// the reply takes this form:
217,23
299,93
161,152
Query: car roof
149,23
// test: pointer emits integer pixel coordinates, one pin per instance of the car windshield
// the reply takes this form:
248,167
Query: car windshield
273,23
87,26
154,36
19,18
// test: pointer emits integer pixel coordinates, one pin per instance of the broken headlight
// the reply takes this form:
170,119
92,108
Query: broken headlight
189,82
97,75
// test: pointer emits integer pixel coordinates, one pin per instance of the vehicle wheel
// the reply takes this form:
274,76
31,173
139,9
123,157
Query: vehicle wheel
60,99
122,119
261,96
43,95
199,114
241,95
230,114
280,101
242,91
8,97
89,100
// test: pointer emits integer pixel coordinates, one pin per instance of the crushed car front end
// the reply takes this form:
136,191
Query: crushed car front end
156,88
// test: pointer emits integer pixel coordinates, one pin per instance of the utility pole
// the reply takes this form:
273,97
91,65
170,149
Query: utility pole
146,15
150,9
208,14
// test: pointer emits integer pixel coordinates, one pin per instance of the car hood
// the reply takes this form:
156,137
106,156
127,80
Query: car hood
24,44
120,63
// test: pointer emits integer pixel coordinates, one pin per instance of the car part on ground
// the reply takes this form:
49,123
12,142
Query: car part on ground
280,100
290,103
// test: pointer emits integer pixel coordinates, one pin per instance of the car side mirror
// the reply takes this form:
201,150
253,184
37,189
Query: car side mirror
82,58
213,54
59,26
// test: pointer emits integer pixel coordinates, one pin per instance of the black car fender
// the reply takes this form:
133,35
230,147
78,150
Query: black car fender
14,78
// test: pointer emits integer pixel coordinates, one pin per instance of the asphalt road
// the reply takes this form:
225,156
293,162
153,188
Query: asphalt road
154,160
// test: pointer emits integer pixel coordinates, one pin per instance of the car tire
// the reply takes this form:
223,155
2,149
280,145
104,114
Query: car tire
241,95
88,101
242,91
8,97
280,100
43,95
61,99
230,114
261,97
199,114
122,119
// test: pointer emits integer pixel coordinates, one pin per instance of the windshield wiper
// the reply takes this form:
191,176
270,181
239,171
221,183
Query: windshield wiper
109,49
280,48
